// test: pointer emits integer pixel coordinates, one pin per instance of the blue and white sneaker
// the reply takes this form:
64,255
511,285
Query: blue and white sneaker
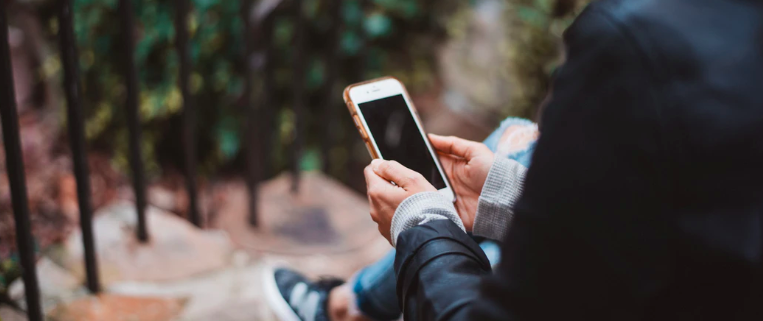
292,297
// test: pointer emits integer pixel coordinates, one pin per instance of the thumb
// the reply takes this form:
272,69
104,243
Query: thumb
454,146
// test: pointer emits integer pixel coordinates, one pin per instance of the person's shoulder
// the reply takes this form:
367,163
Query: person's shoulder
668,30
663,22
610,26
639,13
623,16
624,10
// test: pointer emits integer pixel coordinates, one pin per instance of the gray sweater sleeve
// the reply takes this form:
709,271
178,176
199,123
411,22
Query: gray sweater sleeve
499,194
494,211
421,208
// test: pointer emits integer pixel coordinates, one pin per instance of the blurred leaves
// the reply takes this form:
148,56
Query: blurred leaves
405,9
215,29
535,51
10,270
378,25
351,43
311,160
377,37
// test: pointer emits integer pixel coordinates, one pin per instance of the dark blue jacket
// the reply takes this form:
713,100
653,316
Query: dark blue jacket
644,200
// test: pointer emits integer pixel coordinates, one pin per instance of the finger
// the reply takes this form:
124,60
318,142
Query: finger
447,161
373,181
394,171
454,145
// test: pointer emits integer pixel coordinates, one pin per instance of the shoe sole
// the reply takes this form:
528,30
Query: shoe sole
276,301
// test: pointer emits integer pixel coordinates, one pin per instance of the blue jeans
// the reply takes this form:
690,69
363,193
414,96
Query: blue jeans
374,285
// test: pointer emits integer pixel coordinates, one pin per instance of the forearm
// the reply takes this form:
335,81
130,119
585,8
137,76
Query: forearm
439,269
422,208
499,194
502,189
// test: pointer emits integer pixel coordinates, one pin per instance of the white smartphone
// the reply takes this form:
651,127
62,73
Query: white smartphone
390,126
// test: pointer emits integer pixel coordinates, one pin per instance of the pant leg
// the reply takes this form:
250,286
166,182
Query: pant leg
374,288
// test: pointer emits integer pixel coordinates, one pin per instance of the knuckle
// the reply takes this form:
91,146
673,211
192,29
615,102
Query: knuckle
416,179
413,180
385,167
374,192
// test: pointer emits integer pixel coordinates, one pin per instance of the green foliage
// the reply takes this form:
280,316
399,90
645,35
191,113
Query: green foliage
379,37
9,271
215,49
536,50
378,25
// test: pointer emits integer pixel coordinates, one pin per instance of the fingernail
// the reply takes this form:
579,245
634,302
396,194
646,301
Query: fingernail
375,163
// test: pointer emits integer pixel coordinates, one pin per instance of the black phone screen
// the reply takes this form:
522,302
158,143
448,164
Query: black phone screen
398,138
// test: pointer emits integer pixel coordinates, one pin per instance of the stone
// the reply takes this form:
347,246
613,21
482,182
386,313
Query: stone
236,311
118,308
162,197
324,229
8,314
56,285
176,248
234,293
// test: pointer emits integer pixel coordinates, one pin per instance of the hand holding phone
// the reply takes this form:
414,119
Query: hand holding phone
384,197
389,125
467,163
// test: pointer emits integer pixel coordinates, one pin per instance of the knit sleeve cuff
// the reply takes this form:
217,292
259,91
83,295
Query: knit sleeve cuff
421,208
501,191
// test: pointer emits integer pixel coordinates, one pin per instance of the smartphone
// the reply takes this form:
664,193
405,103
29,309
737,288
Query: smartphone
390,126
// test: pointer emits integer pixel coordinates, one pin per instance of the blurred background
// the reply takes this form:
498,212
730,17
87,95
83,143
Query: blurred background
221,135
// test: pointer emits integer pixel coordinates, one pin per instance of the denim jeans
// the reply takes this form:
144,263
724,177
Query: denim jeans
374,285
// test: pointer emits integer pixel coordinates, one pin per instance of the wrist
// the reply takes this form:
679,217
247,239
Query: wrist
501,191
421,208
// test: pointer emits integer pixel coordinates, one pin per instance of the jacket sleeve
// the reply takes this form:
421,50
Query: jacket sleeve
588,236
438,271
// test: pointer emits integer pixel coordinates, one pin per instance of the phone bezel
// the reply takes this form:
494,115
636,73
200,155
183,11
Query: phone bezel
382,88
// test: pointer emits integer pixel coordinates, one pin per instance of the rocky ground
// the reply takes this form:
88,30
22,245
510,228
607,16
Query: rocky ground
186,273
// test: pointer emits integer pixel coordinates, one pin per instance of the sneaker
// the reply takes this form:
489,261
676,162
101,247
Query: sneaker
292,297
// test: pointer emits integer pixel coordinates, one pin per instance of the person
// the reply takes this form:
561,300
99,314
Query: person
370,293
644,199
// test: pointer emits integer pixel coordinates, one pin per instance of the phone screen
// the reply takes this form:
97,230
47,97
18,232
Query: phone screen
398,138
